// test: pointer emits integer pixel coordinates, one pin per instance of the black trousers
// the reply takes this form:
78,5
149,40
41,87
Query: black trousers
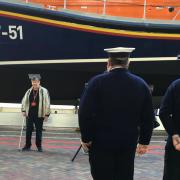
171,163
27,122
112,165
38,124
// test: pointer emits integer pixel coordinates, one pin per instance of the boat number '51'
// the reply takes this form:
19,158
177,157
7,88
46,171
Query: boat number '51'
13,32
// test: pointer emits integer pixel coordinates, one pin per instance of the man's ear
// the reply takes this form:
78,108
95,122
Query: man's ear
108,65
109,62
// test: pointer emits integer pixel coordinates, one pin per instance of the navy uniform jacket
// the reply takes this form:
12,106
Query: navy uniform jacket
116,109
170,109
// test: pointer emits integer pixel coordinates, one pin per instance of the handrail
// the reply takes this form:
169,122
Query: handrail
65,4
104,7
144,14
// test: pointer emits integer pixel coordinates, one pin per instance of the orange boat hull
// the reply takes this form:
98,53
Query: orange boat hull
154,9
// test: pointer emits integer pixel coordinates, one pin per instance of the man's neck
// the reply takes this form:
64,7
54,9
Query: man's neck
35,88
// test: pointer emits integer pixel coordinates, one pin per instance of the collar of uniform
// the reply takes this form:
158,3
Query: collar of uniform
118,69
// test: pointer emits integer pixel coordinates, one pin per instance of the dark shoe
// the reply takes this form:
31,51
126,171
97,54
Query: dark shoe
26,148
40,149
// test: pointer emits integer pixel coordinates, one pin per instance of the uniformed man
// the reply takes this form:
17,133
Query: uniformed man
115,114
170,117
36,108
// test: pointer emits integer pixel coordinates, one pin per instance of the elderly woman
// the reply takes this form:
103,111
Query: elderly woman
36,108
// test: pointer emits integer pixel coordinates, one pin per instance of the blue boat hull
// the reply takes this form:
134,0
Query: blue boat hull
35,34
44,40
